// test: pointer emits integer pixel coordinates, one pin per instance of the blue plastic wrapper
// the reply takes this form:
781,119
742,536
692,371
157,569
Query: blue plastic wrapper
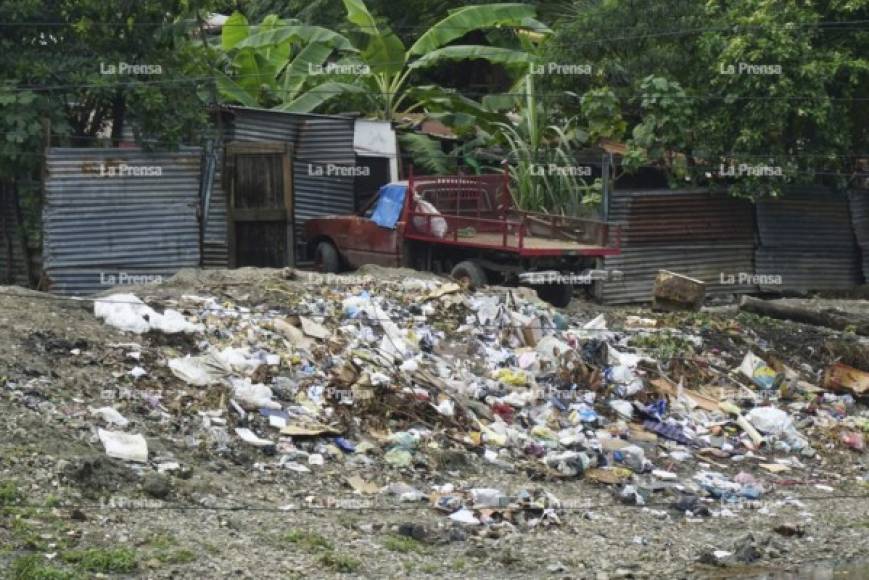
658,409
587,415
668,431
345,445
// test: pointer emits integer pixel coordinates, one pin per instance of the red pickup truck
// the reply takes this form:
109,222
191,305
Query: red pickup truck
469,227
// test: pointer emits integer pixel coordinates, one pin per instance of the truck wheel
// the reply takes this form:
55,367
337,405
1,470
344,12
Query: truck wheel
559,295
469,274
326,258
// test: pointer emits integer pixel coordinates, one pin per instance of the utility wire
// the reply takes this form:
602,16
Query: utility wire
412,507
135,82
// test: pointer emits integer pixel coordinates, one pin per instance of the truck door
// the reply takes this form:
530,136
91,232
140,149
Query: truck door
374,236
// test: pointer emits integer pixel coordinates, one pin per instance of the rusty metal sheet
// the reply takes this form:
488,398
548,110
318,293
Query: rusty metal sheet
696,232
660,216
714,263
807,239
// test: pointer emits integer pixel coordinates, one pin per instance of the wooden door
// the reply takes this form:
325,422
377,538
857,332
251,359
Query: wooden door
260,205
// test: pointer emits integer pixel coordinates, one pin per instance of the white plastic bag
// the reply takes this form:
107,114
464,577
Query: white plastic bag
126,312
438,224
124,445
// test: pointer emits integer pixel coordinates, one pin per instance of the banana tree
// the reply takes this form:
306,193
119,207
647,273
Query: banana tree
389,64
270,65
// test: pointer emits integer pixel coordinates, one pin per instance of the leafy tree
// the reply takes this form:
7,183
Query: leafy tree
55,69
686,114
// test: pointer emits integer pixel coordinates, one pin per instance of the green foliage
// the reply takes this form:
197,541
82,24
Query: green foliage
403,545
689,108
665,126
55,70
9,493
425,152
663,345
602,113
269,65
35,567
310,541
339,562
105,560
540,152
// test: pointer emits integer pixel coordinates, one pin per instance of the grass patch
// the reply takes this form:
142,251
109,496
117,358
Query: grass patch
663,345
311,541
35,567
339,562
182,556
166,550
458,564
103,559
9,493
403,545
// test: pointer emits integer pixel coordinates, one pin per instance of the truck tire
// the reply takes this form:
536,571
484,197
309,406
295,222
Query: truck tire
326,258
470,274
559,295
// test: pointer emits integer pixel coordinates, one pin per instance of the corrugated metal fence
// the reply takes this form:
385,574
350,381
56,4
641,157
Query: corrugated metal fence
321,184
13,250
859,201
805,240
705,235
116,216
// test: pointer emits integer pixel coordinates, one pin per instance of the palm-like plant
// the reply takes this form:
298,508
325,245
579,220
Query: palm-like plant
533,147
270,64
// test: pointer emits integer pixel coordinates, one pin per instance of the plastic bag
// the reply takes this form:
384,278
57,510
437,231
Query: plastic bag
438,225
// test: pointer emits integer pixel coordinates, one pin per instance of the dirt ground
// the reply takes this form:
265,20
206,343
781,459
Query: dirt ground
69,511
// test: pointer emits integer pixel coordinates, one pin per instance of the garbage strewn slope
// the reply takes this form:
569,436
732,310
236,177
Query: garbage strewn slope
484,428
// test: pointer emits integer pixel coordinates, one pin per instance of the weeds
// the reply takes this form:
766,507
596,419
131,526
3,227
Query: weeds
103,559
34,567
339,562
403,545
311,541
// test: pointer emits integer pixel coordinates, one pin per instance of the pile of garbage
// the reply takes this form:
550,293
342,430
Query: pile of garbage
384,374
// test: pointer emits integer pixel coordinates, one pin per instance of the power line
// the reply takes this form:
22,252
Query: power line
260,28
134,82
728,154
542,160
356,503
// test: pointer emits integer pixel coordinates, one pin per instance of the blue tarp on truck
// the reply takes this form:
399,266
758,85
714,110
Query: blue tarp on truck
390,200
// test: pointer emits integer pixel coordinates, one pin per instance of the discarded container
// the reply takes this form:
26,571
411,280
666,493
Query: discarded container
677,292
754,368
